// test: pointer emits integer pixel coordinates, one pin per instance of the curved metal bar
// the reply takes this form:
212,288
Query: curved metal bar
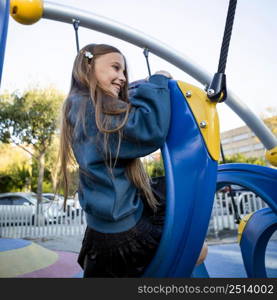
90,20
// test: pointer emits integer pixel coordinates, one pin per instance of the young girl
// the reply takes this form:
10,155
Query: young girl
105,132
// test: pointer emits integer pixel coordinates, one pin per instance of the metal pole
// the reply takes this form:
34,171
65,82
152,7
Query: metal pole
95,22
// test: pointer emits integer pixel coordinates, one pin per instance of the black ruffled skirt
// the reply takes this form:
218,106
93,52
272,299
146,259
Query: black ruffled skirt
128,253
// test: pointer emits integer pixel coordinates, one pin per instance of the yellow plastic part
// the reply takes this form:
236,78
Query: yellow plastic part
271,156
242,225
206,116
26,12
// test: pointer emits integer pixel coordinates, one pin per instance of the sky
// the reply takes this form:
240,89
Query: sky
43,53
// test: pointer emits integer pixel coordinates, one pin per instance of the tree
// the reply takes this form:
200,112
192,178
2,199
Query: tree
30,122
153,165
16,178
12,155
15,169
51,161
240,158
155,168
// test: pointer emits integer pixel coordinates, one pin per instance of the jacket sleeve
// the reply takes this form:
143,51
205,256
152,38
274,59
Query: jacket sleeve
149,119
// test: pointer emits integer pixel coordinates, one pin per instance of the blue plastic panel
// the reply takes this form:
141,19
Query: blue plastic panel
190,186
255,237
4,19
261,180
200,272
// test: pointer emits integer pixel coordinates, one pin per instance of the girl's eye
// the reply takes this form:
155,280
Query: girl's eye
116,67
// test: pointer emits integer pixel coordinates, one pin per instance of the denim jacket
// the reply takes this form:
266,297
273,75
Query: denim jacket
112,203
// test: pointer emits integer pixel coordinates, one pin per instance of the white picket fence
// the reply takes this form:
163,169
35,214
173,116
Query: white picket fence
18,222
223,216
15,222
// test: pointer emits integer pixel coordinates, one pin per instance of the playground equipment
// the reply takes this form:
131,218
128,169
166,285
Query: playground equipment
191,161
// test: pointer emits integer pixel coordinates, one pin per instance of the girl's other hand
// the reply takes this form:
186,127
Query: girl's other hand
164,73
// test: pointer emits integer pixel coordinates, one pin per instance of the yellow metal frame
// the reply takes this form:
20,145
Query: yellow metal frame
206,116
26,12
242,225
271,156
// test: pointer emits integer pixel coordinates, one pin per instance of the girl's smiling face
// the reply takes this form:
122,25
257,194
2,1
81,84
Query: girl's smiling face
109,72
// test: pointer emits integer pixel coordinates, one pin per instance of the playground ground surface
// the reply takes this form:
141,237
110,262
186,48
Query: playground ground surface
223,260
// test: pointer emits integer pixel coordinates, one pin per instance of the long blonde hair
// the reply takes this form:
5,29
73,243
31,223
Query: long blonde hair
107,110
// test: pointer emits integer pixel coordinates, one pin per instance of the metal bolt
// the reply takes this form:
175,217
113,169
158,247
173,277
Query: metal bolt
188,94
210,92
203,124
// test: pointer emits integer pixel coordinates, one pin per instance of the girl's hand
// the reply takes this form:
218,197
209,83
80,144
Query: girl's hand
164,73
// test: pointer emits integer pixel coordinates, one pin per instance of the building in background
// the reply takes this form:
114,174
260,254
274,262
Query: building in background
243,140
238,140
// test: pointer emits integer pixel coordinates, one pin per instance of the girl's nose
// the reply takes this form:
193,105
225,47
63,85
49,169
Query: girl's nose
122,78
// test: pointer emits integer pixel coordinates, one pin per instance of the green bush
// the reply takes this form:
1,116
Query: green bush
15,179
155,168
240,158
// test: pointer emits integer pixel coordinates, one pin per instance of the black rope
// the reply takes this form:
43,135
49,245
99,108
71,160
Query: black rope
227,36
146,53
217,90
76,24
236,213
